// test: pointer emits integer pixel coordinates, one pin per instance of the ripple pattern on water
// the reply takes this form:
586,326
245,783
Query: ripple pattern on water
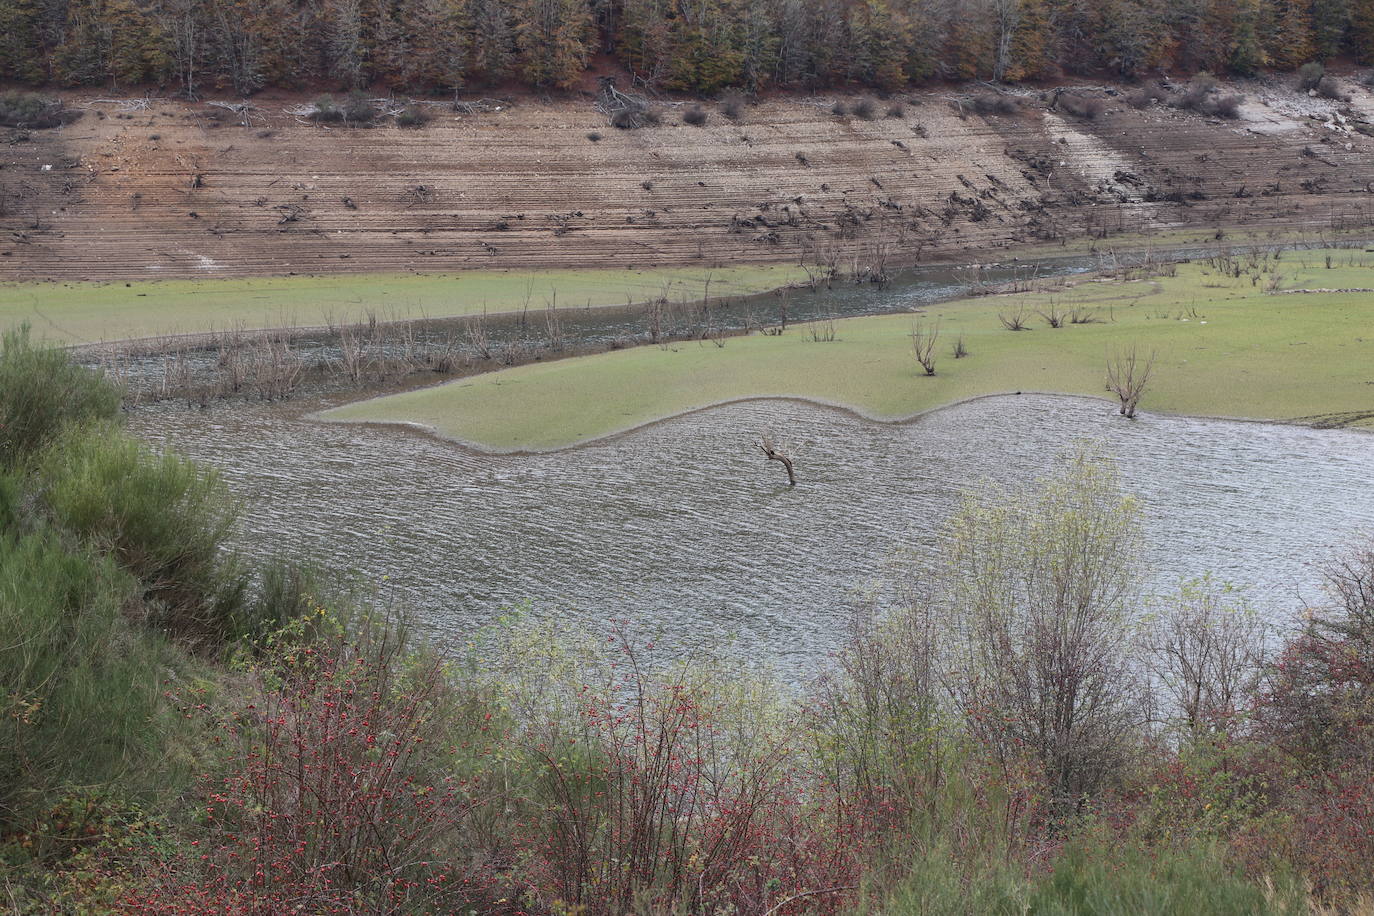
684,527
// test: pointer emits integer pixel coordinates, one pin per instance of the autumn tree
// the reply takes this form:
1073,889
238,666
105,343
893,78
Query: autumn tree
552,37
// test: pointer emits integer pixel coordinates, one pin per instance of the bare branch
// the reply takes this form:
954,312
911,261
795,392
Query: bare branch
768,449
923,340
1127,376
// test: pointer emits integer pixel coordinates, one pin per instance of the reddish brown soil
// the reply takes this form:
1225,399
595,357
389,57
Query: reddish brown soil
524,187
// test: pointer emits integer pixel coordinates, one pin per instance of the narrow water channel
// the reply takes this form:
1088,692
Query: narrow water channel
683,528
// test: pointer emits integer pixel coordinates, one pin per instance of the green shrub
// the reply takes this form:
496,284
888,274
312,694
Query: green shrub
79,691
41,392
286,592
1310,75
11,502
162,518
1187,882
326,111
358,108
413,116
28,109
939,884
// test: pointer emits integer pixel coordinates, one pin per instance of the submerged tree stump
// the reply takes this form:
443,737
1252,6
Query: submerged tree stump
766,446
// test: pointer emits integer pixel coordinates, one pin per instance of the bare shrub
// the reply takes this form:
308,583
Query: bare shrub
1127,377
1331,92
996,103
413,116
822,331
359,109
695,116
896,110
866,108
1052,314
1227,106
633,118
1197,96
326,111
1145,95
1206,654
1310,75
1084,316
923,340
1035,589
1016,319
839,109
476,337
1089,108
732,104
28,109
960,351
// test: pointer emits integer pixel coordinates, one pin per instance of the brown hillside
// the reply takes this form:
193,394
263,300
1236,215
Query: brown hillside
168,190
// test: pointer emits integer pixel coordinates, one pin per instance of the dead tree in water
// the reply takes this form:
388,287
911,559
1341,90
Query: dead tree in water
766,446
1127,377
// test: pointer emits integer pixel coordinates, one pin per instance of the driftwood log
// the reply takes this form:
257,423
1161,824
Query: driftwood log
766,446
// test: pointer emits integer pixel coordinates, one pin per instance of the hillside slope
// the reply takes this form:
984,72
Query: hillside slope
161,189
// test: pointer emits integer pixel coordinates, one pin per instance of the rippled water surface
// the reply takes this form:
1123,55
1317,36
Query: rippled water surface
683,526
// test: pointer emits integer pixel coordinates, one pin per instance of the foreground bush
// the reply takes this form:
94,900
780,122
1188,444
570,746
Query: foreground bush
163,518
339,793
41,393
681,787
79,692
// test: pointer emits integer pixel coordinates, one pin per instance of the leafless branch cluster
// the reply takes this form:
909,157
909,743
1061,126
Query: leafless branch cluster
625,110
1128,374
1015,320
923,339
1206,656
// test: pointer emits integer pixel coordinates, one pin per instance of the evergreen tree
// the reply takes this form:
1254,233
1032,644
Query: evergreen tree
1286,33
552,37
877,42
492,40
1245,53
22,56
1330,21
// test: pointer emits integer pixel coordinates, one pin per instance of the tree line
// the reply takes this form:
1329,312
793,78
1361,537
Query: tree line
241,46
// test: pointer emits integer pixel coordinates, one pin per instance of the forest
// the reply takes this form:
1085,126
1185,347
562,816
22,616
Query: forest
196,47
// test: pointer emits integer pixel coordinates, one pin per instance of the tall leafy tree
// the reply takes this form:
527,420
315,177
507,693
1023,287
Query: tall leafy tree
1330,21
552,37
1286,33
22,55
492,39
878,43
1361,36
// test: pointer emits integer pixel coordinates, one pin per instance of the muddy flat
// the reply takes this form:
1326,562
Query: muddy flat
163,188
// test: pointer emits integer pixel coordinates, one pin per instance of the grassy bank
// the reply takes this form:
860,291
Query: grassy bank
1228,345
71,313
